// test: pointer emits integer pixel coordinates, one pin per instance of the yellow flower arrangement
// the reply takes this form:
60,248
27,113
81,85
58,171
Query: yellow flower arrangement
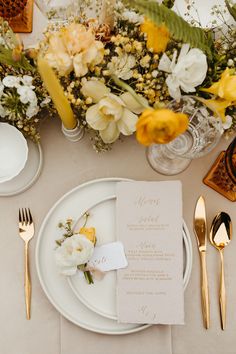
157,36
160,126
225,91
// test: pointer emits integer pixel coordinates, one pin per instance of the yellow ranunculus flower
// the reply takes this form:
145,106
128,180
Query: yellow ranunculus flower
89,233
160,126
157,36
225,88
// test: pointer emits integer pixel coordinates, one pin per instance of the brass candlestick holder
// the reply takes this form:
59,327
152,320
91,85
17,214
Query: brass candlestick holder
222,175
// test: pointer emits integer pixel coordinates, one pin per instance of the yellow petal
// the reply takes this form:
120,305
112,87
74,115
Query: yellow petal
218,106
157,36
160,126
89,233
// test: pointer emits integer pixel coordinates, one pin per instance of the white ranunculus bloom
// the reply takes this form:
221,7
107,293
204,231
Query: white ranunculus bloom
188,72
27,95
11,81
74,251
111,114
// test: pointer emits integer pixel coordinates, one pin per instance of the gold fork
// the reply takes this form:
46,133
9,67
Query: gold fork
26,231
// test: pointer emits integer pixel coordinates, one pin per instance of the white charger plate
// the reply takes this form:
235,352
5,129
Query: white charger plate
101,296
56,286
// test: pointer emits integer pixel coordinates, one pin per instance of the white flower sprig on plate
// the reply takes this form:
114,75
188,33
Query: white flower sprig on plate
75,249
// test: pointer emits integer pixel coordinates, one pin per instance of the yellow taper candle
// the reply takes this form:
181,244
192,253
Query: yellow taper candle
56,93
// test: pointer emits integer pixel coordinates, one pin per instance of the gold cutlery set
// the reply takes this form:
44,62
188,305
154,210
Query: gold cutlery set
220,235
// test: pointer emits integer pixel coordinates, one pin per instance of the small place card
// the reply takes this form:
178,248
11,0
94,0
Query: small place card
149,224
110,256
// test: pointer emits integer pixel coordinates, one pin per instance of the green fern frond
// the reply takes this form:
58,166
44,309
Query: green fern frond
180,30
168,3
6,59
231,9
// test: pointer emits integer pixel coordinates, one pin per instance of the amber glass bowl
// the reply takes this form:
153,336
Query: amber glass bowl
11,8
230,161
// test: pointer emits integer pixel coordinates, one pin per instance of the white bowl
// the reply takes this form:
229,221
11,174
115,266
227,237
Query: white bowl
13,152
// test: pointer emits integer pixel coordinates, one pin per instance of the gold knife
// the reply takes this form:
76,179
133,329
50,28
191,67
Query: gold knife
200,229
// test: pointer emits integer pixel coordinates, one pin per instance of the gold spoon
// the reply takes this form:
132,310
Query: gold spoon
220,236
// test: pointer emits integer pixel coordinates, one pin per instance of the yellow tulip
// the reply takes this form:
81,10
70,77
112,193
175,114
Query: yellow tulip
157,36
160,126
225,88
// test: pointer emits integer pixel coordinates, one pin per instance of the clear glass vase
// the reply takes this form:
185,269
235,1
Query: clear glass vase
203,134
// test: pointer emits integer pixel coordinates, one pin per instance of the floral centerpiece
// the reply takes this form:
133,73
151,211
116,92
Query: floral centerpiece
119,76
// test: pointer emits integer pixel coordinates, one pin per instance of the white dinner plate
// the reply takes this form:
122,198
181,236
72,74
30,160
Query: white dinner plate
56,286
100,297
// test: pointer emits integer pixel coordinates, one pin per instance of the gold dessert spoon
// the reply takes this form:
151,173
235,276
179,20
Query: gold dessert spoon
220,237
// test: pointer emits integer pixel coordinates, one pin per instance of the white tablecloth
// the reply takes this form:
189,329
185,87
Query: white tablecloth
65,166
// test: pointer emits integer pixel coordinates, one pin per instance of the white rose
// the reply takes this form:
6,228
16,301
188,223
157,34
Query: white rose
187,73
111,115
74,251
11,81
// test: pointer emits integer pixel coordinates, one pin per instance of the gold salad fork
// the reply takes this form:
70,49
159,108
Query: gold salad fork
26,231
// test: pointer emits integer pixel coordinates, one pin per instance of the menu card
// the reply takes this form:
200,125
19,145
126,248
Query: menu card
149,224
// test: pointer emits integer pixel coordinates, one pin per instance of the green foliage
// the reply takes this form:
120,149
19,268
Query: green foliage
7,59
168,3
232,9
180,30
